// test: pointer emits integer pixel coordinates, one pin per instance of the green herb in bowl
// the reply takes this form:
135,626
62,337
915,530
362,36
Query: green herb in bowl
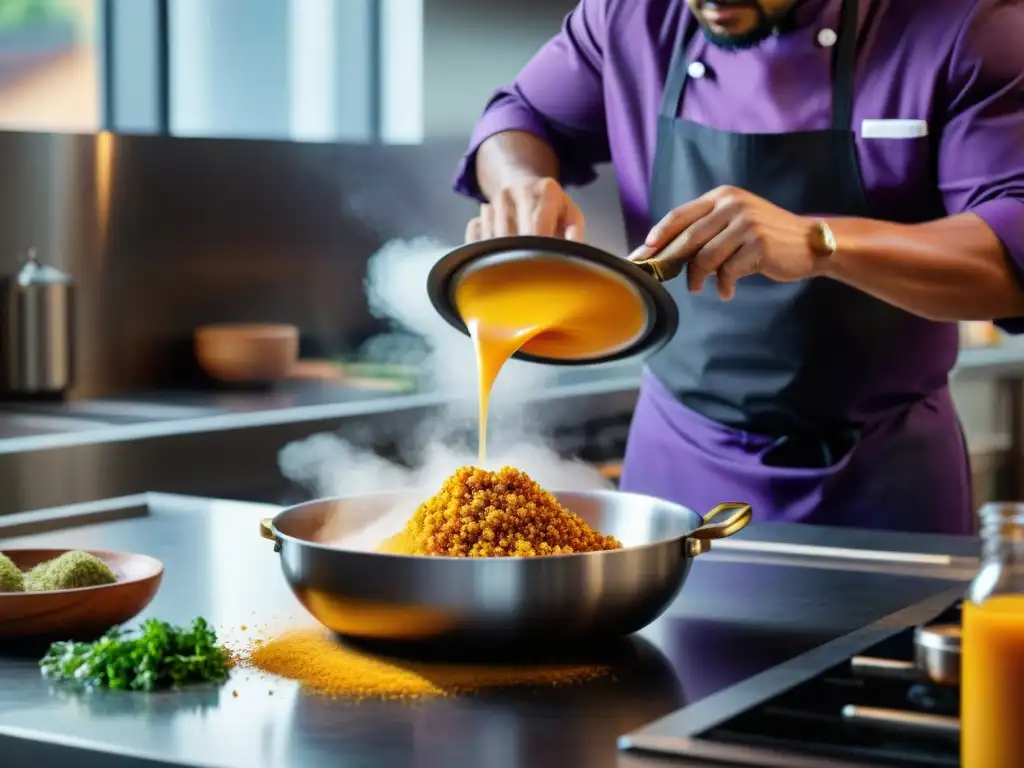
11,577
72,570
156,656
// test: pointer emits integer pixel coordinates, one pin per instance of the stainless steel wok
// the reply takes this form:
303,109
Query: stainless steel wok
496,601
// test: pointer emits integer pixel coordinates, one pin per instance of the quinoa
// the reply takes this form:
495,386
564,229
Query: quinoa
11,577
478,513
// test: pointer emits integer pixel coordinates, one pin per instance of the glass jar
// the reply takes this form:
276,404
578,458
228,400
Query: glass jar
992,645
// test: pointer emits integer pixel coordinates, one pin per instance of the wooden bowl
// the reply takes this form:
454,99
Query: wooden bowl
247,353
78,614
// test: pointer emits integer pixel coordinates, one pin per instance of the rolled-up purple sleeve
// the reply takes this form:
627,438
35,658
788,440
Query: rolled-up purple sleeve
981,154
558,96
1005,216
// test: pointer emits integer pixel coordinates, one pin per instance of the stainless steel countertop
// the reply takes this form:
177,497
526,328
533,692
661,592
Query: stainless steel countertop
226,443
164,414
1006,360
743,610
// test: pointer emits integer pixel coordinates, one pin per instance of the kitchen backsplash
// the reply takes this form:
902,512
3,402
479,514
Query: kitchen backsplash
164,234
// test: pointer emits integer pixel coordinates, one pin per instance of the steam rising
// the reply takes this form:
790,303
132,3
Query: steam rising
396,279
329,465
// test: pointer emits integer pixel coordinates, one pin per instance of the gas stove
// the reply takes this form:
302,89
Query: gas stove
887,695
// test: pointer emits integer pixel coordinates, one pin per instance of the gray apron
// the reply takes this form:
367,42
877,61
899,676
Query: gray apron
812,400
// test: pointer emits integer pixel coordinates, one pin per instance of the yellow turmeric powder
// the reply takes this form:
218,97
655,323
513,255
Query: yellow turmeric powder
325,665
478,513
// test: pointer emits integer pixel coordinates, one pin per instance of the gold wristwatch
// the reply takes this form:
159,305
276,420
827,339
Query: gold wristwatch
823,242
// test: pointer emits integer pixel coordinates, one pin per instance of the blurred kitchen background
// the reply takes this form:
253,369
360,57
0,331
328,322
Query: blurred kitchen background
204,161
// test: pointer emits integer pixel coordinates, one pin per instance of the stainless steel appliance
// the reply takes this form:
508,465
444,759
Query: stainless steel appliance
36,318
887,704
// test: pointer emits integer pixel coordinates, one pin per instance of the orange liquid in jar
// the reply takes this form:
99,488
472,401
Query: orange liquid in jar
992,683
549,307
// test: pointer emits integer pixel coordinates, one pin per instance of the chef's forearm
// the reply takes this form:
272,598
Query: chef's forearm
951,269
513,157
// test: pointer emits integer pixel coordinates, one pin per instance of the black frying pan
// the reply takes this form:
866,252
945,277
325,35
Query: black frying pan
661,312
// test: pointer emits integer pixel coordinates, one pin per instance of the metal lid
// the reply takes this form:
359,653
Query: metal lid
939,637
32,272
662,316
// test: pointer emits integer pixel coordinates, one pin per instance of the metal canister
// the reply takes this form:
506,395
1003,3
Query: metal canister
37,339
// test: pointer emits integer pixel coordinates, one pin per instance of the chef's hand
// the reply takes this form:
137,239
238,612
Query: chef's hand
537,207
731,233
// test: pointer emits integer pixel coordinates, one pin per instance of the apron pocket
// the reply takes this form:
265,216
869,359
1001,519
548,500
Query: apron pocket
811,451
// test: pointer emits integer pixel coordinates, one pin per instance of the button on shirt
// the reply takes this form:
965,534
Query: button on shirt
827,38
593,92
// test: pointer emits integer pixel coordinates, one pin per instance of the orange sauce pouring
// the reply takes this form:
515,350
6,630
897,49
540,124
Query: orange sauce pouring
549,307
992,683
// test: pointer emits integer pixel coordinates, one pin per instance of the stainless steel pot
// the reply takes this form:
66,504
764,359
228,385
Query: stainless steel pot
936,658
36,317
589,597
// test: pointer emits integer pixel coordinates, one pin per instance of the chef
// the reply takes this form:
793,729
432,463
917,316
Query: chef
827,187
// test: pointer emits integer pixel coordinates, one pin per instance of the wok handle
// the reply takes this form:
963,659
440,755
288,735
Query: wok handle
739,515
267,532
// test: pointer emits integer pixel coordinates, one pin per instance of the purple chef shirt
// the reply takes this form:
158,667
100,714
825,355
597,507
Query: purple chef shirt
594,92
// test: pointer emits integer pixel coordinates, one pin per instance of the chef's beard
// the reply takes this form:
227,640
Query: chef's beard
766,26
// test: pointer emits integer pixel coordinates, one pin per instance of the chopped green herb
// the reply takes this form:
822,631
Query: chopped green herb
155,656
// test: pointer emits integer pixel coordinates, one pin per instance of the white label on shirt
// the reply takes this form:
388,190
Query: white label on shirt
893,129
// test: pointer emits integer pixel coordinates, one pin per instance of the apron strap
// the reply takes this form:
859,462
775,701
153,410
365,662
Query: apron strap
844,67
675,83
843,64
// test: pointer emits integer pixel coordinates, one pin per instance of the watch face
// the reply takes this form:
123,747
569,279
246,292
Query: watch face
827,237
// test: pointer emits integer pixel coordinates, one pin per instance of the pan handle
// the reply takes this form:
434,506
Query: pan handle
739,515
699,541
652,269
267,532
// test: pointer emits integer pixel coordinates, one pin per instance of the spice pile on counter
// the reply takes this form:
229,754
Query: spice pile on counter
478,513
322,664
